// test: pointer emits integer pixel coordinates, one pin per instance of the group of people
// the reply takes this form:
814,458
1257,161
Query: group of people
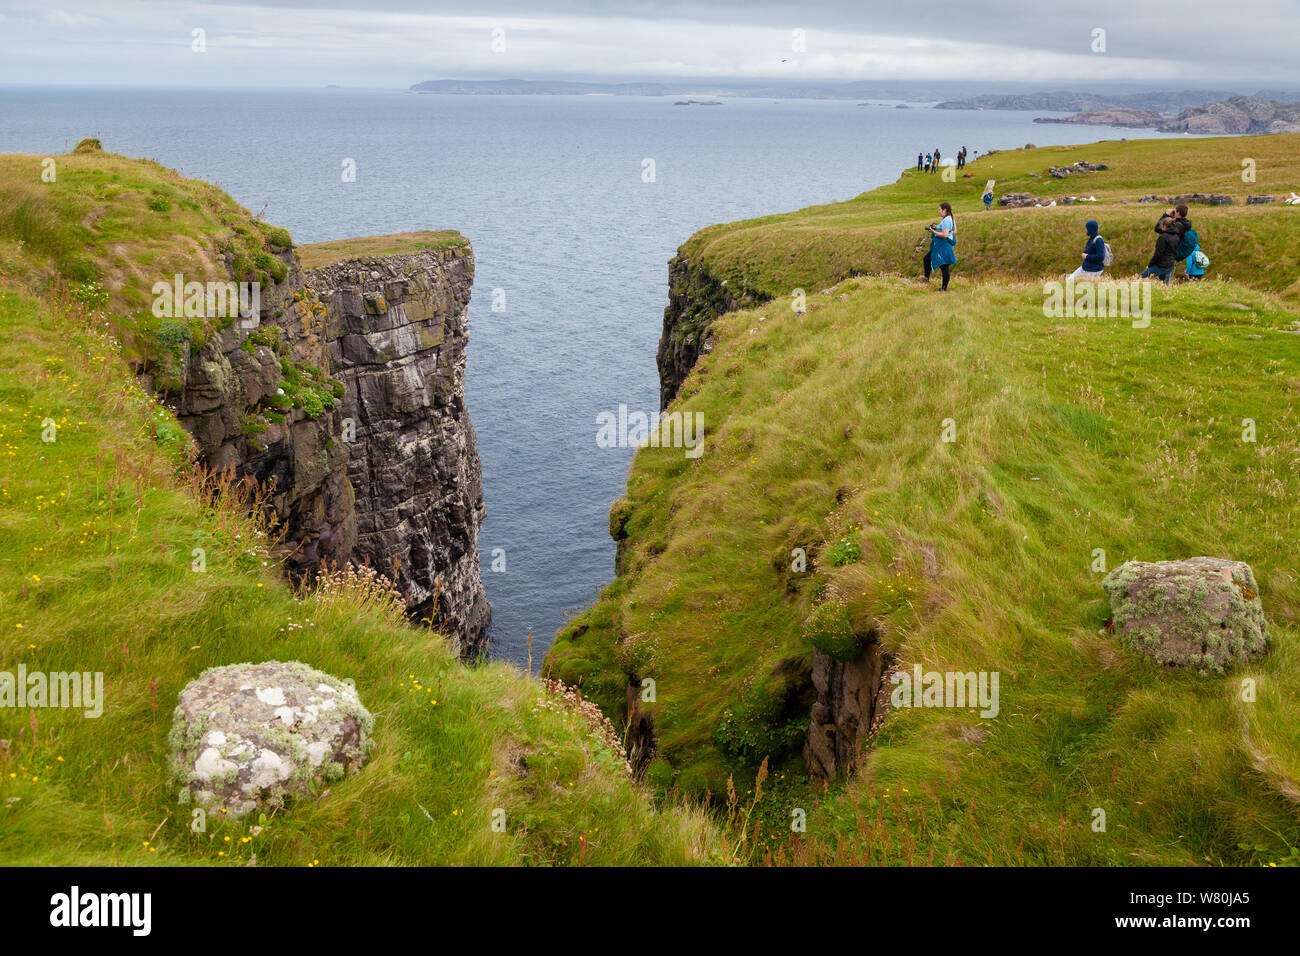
929,162
1175,240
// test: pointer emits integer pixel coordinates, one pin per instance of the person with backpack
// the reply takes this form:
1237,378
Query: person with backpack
1197,263
927,163
988,199
1164,258
1182,227
943,246
1096,254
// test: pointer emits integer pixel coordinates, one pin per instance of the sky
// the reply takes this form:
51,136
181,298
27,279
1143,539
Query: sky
1201,44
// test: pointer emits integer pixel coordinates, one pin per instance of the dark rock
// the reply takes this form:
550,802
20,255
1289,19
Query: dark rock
398,328
1259,200
1203,199
850,696
393,333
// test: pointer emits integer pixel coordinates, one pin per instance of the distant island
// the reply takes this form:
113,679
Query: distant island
1065,101
685,88
698,103
1243,115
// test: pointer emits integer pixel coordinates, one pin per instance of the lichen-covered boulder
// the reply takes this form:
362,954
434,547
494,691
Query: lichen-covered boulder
1202,612
247,736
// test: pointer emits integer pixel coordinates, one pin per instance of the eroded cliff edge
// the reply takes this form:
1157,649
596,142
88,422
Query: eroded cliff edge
695,298
346,401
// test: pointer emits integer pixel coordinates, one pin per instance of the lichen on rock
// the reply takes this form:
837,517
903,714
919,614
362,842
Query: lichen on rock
1200,612
248,736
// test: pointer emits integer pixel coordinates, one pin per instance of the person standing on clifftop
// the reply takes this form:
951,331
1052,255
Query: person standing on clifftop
1094,254
943,246
1163,259
920,160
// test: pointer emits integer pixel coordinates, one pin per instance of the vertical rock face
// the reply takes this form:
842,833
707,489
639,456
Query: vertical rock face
850,696
398,328
349,396
695,299
227,403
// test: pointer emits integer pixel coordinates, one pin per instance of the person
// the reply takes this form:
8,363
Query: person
919,160
988,199
1195,270
927,163
1163,259
943,245
1094,254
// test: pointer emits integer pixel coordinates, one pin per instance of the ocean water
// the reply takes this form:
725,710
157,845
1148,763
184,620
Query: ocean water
571,243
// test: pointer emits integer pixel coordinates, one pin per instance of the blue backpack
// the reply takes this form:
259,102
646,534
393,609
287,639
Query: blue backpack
1187,245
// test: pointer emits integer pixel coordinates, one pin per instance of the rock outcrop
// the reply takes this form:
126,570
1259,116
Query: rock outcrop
398,328
1200,612
695,298
1236,115
346,402
851,700
249,736
233,401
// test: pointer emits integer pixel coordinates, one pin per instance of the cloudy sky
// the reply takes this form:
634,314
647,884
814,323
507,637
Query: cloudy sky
393,43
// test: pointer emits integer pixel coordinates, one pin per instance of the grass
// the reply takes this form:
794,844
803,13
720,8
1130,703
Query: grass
317,254
881,230
110,227
101,516
825,433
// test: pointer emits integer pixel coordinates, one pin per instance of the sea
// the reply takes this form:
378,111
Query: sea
574,205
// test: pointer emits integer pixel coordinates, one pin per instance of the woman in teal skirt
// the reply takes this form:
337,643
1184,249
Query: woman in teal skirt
943,246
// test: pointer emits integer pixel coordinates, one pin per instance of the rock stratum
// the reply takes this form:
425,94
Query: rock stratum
346,403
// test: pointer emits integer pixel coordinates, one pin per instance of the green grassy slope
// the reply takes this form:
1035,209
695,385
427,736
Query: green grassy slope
315,254
97,531
1072,434
879,231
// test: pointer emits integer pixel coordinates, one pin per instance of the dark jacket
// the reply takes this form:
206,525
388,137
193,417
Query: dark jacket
1166,247
1180,226
1094,259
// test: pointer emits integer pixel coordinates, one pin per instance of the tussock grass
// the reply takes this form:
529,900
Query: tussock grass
975,555
97,536
881,231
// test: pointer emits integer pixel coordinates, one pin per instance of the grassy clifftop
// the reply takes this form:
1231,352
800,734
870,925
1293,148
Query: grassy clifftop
1077,444
101,514
880,231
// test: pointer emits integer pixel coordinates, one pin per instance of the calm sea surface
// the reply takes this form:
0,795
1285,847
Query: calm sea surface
550,191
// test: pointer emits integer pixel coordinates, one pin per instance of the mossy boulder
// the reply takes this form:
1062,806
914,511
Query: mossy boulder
248,736
1200,612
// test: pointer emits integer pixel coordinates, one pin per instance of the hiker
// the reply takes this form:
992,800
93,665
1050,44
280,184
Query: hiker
1094,254
1163,259
1197,263
1182,227
943,244
927,163
988,199
920,160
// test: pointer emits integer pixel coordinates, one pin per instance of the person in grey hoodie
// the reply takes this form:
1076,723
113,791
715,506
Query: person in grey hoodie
1094,254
